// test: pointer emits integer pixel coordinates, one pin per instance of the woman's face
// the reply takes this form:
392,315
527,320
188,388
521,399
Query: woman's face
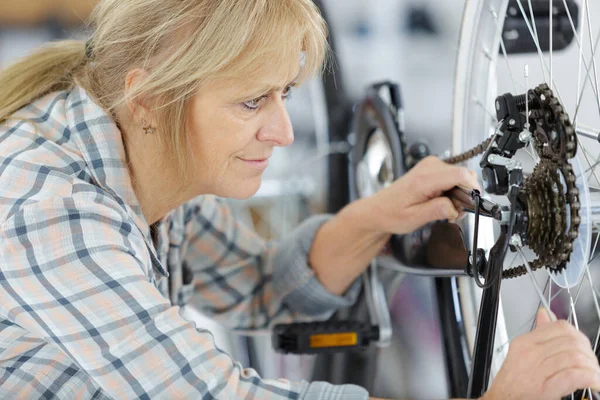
234,127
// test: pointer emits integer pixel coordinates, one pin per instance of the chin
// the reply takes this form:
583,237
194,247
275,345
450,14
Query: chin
242,190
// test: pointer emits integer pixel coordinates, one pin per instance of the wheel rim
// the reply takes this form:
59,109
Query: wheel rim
481,49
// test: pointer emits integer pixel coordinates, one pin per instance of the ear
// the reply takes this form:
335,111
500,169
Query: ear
137,107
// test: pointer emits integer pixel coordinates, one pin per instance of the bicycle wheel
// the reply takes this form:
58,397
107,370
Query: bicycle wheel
492,31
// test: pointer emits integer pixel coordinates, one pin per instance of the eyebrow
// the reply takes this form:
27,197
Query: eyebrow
270,88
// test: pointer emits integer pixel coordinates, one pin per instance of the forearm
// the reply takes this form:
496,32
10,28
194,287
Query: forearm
343,247
376,398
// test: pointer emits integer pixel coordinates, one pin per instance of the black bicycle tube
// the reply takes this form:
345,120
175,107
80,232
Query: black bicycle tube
453,337
483,350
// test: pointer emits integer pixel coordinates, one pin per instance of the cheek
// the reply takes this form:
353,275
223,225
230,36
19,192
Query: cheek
217,139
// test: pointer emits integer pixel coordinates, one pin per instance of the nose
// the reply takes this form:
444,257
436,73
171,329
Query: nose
277,127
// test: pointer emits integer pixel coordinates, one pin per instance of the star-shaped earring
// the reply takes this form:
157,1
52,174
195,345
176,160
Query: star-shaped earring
147,128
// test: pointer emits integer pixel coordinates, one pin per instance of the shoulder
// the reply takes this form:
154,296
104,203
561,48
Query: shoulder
38,158
62,230
91,207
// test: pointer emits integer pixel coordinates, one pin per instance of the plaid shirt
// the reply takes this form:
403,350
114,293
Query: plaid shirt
90,306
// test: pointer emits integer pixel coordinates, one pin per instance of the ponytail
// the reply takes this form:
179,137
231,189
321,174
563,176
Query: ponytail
46,70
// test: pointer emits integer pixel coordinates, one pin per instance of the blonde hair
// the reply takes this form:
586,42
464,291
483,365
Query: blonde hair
181,44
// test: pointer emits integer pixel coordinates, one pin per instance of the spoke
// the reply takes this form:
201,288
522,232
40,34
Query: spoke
512,78
573,312
529,320
526,73
548,286
588,153
585,64
545,68
535,285
595,298
585,132
596,162
592,167
512,263
595,295
589,23
594,249
577,296
483,106
551,16
534,36
549,293
595,348
585,154
529,154
586,78
535,155
597,340
596,305
579,88
504,54
533,21
594,257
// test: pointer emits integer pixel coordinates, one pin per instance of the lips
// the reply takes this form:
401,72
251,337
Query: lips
255,163
254,159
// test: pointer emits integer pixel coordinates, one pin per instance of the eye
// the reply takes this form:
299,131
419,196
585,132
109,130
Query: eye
287,92
254,103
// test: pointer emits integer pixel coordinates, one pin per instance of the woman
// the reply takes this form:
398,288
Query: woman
111,157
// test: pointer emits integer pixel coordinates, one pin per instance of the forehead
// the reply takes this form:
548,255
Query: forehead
269,77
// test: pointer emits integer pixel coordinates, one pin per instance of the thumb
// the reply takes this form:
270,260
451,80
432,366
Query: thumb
431,210
543,318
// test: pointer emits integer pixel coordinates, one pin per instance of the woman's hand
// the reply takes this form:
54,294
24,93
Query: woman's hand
346,244
416,198
550,362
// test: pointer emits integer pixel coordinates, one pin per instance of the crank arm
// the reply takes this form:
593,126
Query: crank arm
377,304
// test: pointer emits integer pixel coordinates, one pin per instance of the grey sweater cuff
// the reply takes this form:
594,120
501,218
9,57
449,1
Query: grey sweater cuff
327,391
296,281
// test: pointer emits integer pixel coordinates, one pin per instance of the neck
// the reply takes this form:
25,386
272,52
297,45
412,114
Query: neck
156,191
156,184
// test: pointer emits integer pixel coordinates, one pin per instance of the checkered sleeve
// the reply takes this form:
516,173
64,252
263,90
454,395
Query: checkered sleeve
248,283
75,274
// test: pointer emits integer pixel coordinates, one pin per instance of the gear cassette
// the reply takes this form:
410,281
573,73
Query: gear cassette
549,195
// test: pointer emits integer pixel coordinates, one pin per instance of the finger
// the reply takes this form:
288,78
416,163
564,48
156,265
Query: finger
429,211
567,381
457,204
459,207
460,217
571,337
549,331
564,345
570,358
436,177
543,318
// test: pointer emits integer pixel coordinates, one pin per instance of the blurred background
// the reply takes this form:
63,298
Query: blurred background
411,42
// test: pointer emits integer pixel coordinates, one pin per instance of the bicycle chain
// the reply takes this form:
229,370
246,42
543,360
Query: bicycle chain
550,200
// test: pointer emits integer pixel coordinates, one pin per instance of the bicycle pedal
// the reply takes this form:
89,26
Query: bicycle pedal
323,337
